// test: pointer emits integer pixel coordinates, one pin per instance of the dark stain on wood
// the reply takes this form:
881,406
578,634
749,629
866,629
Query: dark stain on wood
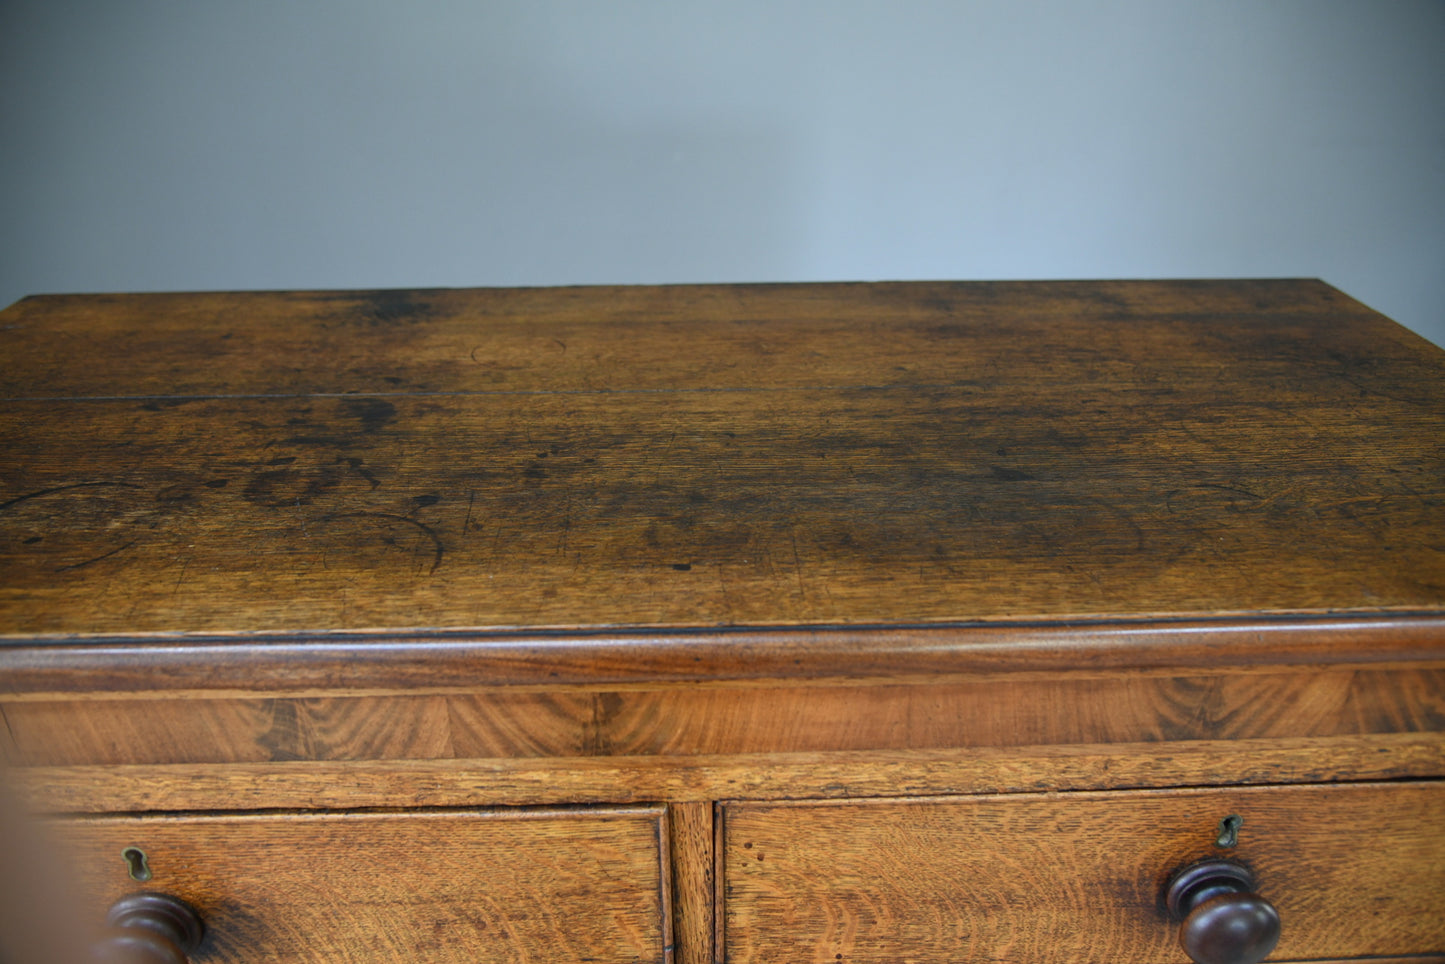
827,455
288,486
373,413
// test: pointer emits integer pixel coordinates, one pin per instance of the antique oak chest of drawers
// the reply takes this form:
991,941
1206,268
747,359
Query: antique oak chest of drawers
924,622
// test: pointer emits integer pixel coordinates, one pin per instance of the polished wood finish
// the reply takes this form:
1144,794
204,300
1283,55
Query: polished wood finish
481,886
686,337
765,776
150,928
431,663
693,880
697,721
780,455
1224,921
555,599
1354,870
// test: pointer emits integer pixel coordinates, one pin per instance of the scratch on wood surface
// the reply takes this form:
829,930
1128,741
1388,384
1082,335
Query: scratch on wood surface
12,749
471,502
181,576
103,555
63,488
798,564
387,517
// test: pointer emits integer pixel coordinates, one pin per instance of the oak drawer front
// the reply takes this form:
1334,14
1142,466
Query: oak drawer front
435,887
1354,870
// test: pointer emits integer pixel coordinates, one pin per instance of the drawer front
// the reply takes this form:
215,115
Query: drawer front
1354,870
438,887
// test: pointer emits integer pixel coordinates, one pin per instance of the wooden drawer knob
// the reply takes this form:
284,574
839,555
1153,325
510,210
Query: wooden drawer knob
150,929
1225,922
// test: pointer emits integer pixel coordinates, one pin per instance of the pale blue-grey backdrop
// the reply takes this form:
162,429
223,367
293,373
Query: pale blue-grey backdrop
202,144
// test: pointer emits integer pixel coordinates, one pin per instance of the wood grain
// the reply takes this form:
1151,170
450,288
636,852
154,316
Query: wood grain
174,731
700,568
429,887
680,721
693,884
668,337
1354,870
331,664
1058,452
773,776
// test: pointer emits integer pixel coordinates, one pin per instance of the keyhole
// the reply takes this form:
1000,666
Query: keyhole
136,858
1229,830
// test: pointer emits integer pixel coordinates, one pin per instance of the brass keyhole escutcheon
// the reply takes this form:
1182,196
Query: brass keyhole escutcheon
135,859
1229,830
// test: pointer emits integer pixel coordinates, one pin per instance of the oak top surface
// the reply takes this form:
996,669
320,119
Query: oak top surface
776,455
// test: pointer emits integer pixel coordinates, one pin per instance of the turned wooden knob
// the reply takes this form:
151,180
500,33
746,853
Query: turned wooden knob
150,929
1225,922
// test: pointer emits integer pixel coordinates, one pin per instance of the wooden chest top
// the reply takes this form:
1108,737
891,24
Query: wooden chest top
821,455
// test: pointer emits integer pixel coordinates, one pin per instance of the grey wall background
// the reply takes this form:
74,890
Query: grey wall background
191,145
